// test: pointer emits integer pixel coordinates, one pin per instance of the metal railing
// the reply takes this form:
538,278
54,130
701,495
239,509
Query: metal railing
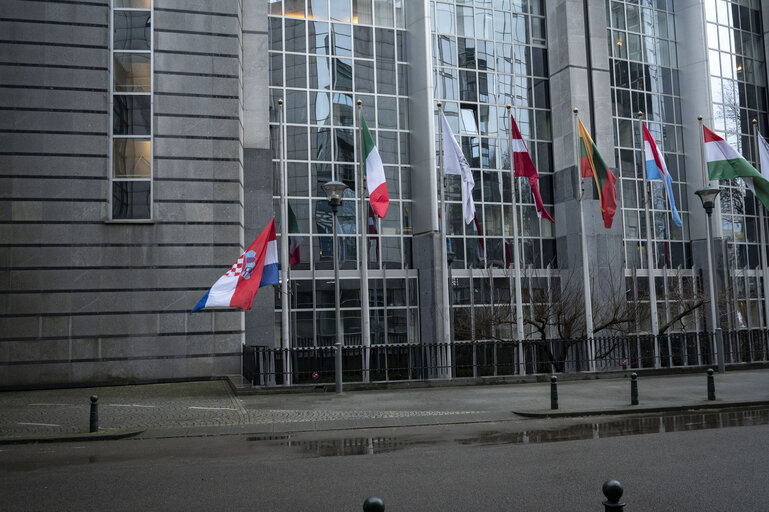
267,366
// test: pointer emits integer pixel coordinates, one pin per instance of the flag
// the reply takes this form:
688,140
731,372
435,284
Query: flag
293,241
454,163
480,248
725,163
374,171
657,170
763,153
524,167
593,165
256,267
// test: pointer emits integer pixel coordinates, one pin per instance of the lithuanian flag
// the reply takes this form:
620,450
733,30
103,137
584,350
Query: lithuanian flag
594,166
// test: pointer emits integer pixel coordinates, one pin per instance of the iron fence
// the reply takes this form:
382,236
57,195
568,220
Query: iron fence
267,366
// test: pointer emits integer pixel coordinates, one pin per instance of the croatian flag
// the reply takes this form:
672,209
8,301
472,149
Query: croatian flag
657,170
256,267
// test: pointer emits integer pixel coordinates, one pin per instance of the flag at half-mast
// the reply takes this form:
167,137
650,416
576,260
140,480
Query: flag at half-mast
657,170
524,167
454,162
725,163
374,171
256,267
594,166
294,240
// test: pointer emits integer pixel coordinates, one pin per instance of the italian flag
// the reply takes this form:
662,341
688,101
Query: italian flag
725,163
593,165
375,176
293,241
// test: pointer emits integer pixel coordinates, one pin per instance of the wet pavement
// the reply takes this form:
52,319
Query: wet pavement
211,408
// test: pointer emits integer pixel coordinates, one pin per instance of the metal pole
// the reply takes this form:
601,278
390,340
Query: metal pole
285,305
365,317
444,353
516,257
761,232
585,262
649,252
339,339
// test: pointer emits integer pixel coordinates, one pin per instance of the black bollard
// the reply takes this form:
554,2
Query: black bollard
373,504
553,392
711,385
94,425
633,388
612,489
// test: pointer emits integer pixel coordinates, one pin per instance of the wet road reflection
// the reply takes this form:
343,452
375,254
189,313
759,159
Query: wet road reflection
342,447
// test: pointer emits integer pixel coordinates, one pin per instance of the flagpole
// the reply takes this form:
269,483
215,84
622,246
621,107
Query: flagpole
516,256
761,235
284,264
384,278
655,327
365,319
445,366
585,263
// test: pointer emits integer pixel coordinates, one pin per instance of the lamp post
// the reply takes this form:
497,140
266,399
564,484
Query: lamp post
334,191
708,198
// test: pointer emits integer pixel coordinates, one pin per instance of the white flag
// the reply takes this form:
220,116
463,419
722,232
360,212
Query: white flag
763,153
454,163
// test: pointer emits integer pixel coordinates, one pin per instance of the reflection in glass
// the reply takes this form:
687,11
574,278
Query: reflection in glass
131,115
361,12
131,158
131,200
132,30
131,72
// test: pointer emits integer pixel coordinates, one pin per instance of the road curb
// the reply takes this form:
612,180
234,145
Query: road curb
639,410
72,438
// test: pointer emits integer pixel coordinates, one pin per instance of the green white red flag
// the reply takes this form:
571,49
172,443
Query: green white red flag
375,176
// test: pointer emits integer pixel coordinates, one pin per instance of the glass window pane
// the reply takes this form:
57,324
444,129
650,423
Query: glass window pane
131,158
317,9
132,30
340,10
131,199
131,115
132,4
131,72
361,11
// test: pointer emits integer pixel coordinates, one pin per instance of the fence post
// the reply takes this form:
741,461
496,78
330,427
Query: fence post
94,422
553,392
633,388
373,504
612,489
711,385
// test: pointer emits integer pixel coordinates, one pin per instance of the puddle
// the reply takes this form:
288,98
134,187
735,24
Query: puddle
593,430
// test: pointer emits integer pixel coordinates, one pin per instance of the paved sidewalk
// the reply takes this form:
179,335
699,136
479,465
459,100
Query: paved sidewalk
211,408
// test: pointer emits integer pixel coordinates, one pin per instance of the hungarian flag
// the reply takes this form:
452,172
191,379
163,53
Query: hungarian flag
374,171
524,167
293,241
594,166
657,170
725,163
256,267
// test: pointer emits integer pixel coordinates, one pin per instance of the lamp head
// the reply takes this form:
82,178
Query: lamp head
708,198
334,191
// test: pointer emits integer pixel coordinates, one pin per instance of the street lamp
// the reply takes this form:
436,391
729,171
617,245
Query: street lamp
708,198
334,191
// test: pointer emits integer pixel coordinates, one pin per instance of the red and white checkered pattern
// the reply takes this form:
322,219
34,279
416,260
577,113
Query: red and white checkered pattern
237,268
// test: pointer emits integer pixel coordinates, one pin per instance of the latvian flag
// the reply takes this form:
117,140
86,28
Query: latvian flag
375,176
294,241
725,163
524,167
256,267
594,166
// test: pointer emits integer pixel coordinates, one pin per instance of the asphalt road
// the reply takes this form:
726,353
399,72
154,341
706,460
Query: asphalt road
458,467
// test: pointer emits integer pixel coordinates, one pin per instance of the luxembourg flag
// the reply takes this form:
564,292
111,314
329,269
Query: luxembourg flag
256,267
375,176
657,170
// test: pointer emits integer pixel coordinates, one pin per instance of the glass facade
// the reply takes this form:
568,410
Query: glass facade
487,54
324,56
739,95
